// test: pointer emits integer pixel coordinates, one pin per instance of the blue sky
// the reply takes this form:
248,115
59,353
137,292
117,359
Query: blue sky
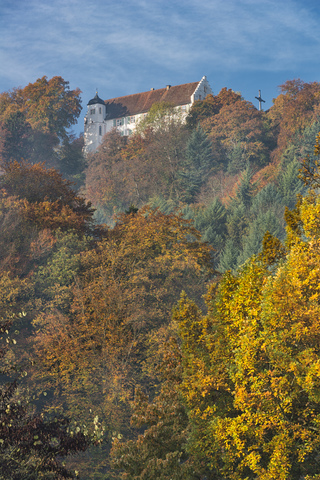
123,47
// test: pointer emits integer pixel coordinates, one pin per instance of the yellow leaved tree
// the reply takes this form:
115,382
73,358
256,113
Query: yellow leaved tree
251,378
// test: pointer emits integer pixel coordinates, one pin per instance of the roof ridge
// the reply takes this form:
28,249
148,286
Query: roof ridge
135,103
152,90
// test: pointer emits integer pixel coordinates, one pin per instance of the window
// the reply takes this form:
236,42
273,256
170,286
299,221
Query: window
100,130
92,111
119,122
99,109
132,119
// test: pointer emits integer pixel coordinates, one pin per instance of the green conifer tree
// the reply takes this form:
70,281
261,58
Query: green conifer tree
198,161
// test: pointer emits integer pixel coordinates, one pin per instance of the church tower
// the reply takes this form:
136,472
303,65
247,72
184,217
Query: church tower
94,124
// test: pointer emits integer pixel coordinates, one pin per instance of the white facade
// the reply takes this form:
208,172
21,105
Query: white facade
94,124
124,113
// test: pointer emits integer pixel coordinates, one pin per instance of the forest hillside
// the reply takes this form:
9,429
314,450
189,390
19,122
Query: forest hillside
159,298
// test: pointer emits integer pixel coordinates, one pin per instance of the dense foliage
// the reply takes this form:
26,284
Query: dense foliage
95,370
35,126
251,366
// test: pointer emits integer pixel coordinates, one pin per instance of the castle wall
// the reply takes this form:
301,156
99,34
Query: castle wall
97,123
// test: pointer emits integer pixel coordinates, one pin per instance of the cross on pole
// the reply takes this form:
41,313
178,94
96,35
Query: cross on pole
260,100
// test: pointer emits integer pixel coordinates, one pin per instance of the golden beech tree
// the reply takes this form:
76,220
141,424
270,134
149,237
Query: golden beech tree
251,378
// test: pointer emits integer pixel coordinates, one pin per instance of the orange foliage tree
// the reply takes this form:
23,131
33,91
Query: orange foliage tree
34,203
297,106
49,105
107,183
211,106
97,355
36,118
239,135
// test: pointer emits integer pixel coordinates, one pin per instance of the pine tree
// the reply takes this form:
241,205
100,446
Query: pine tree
198,161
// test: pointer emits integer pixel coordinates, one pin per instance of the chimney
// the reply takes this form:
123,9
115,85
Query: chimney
168,87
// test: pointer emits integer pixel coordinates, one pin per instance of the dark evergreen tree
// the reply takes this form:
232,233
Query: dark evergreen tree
245,189
198,161
237,159
211,222
237,221
252,242
229,256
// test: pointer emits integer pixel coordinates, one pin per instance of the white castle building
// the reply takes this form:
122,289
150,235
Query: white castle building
123,113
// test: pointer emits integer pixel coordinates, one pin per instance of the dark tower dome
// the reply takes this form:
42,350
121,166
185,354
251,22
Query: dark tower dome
96,100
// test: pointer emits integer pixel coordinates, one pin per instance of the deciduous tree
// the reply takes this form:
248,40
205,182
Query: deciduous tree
34,203
36,118
239,135
49,105
108,343
211,106
294,109
251,365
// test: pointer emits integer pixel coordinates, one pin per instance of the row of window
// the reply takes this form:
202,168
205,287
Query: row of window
120,121
123,132
116,122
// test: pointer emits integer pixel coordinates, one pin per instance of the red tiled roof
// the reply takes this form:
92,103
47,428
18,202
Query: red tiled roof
142,102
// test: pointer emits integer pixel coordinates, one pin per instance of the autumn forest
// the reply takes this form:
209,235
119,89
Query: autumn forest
159,298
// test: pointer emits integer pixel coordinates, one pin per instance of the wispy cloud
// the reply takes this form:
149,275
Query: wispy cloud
126,43
169,34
